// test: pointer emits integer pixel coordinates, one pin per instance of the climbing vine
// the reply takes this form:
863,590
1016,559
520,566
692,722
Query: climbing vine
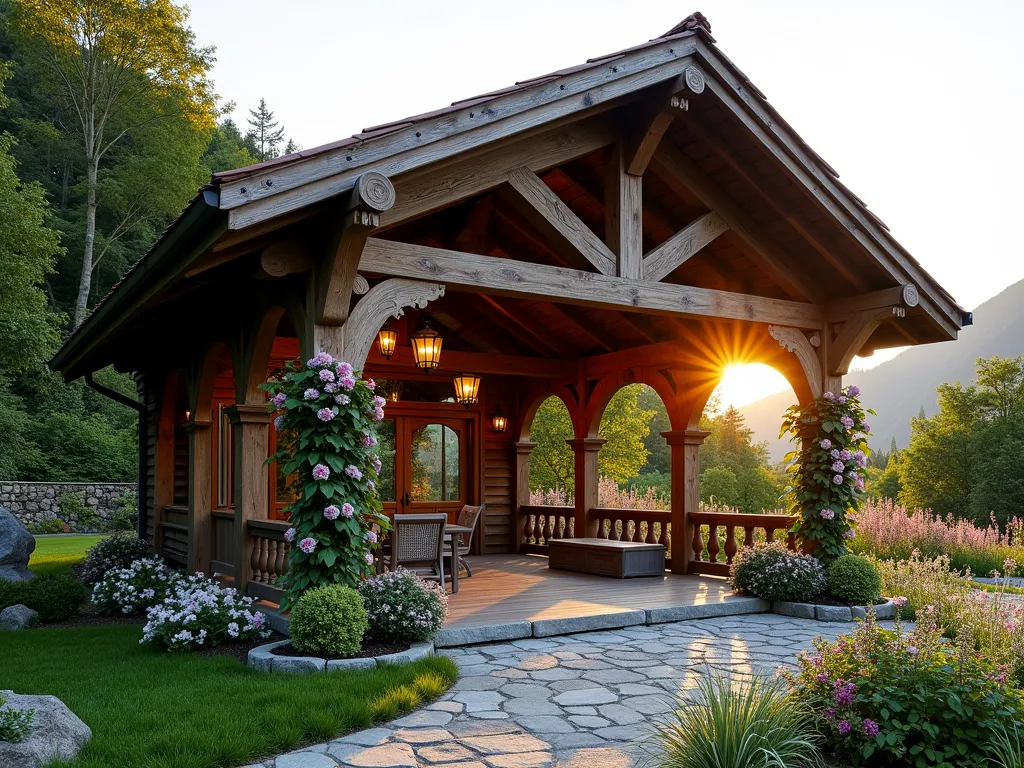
827,470
327,440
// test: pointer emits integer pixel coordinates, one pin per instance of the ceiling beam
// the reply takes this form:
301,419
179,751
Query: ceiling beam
682,246
483,274
677,170
623,214
455,362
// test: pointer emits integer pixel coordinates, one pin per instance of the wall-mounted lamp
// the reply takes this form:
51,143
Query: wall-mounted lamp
499,421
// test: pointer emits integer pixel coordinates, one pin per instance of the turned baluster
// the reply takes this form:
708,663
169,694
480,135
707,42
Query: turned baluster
697,544
254,559
527,529
748,536
264,559
551,524
730,543
281,564
713,547
571,523
272,546
769,534
538,529
791,541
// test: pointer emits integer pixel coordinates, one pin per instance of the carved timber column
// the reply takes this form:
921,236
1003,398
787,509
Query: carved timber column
794,340
386,299
251,425
200,490
334,275
524,448
585,490
685,484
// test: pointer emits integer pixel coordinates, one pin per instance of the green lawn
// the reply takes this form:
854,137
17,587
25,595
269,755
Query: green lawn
149,709
58,553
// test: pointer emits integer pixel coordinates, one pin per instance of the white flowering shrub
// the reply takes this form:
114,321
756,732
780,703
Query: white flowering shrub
198,613
772,572
402,607
130,590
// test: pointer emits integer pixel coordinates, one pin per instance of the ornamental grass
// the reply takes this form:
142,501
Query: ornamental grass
755,724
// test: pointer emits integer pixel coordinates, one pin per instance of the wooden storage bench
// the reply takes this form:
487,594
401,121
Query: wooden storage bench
619,559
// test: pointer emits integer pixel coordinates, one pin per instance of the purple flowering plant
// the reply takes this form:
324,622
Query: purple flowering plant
898,697
827,470
332,467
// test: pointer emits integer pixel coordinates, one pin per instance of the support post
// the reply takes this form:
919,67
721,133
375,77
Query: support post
685,484
200,490
251,432
585,487
522,488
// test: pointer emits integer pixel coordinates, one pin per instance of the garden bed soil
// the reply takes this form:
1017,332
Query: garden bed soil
89,617
239,649
369,650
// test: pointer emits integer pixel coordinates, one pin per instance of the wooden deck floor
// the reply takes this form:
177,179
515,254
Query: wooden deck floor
507,588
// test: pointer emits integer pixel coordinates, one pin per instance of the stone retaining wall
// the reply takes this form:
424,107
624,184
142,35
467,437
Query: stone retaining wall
97,503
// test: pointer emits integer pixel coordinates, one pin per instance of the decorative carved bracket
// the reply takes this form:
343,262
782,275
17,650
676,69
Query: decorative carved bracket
387,299
854,333
794,340
335,275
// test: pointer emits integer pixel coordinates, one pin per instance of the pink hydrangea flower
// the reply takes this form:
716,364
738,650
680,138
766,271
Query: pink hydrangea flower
899,602
846,421
278,422
378,415
853,390
371,384
371,537
326,375
378,401
353,471
372,486
279,399
319,360
838,479
345,369
866,427
342,399
850,534
870,728
325,414
376,463
844,727
311,394
369,559
347,509
828,514
330,388
289,535
347,382
829,396
331,512
321,472
369,441
825,444
838,466
842,399
307,545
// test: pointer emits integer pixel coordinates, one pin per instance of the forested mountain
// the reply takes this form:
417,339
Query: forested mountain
899,388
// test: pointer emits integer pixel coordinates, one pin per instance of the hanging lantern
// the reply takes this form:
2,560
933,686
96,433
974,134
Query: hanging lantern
387,339
466,388
426,347
499,421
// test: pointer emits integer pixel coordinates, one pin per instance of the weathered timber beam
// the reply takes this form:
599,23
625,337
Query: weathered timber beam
656,117
328,174
683,245
854,335
453,361
898,296
575,241
335,273
677,170
623,215
464,271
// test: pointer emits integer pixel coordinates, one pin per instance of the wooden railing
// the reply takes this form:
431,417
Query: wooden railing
173,534
708,549
268,558
647,526
539,525
223,545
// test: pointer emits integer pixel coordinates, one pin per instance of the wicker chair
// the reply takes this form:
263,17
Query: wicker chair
462,542
417,544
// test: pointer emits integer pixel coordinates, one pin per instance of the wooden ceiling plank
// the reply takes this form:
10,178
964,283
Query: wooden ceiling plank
514,325
464,271
682,246
575,318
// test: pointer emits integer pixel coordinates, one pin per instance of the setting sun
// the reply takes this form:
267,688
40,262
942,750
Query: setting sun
744,383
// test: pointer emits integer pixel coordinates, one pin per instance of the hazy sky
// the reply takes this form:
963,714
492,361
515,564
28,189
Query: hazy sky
916,104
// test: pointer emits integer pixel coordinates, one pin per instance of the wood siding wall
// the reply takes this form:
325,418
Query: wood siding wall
498,524
148,389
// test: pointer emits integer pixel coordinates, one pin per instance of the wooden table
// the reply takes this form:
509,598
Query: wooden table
450,532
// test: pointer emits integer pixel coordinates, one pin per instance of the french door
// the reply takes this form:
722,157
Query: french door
425,464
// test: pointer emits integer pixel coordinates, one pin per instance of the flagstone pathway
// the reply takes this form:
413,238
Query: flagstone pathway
576,701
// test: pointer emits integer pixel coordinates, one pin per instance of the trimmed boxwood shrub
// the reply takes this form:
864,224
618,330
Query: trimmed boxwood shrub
54,596
854,579
329,621
772,572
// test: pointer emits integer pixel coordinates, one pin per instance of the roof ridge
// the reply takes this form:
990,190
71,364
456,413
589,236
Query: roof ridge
691,23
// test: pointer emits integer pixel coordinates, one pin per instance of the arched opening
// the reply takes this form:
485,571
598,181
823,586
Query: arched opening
552,468
741,461
635,461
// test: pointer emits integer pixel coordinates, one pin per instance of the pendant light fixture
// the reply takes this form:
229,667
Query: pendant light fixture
426,347
467,387
387,340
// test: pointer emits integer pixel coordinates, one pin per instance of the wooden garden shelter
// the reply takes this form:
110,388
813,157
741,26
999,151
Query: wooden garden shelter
645,216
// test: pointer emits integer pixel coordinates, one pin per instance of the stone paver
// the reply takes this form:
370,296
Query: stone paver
571,701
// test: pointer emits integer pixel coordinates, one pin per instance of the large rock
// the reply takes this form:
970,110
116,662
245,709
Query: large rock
17,617
16,545
57,733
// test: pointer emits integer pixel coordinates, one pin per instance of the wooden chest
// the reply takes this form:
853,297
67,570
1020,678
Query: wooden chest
619,559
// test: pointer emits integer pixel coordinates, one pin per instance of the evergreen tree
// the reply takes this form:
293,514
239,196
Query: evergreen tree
264,136
227,150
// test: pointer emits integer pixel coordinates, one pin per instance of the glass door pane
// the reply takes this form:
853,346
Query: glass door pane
386,451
